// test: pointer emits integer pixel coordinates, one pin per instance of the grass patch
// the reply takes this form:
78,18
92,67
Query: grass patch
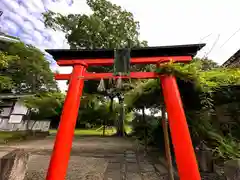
89,132
10,136
6,136
128,129
95,131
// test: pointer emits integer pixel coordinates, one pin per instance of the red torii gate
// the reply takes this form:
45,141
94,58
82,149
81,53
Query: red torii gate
81,59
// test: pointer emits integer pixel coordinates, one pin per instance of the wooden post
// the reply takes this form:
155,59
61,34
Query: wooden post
167,145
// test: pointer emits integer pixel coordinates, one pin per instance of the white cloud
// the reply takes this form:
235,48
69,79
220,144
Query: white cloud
10,27
39,5
10,5
78,7
23,19
27,26
37,36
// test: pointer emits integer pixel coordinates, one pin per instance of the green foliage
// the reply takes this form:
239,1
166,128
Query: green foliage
146,93
209,84
225,147
151,126
28,69
207,81
6,82
6,59
109,26
45,105
94,111
24,69
129,117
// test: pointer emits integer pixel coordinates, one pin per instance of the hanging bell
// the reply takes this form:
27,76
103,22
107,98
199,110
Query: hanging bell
101,86
119,83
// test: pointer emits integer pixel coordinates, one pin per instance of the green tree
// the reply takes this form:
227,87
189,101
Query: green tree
6,82
29,71
109,26
96,111
24,69
206,64
45,106
202,88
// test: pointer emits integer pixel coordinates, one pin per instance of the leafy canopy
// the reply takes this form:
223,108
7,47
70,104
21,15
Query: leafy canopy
6,82
209,85
27,68
205,79
24,69
109,26
45,105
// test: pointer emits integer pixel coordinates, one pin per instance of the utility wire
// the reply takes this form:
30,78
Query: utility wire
214,44
231,37
205,37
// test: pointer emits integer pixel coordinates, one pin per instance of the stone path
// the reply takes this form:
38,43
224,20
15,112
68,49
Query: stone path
94,158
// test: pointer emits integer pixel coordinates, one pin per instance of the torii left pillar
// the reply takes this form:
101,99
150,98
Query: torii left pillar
63,144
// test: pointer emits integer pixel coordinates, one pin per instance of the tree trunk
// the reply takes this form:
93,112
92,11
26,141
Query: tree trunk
167,146
110,111
104,127
120,122
145,129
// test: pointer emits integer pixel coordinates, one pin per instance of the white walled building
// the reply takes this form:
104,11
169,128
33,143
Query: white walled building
14,115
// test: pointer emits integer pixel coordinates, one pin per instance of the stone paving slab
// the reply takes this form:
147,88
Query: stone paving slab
133,176
79,168
101,168
93,159
150,176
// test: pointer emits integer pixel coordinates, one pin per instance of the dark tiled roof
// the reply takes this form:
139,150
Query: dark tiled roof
233,61
177,50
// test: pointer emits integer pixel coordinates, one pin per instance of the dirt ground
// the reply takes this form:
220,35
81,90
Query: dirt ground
93,158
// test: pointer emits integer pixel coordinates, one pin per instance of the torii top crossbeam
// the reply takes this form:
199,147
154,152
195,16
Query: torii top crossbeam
146,55
104,57
80,59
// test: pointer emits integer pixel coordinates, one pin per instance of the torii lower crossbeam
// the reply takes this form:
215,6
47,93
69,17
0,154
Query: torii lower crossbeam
92,76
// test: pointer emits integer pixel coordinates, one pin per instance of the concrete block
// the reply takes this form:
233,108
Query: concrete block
13,165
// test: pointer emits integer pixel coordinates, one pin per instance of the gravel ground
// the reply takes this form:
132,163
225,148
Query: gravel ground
93,158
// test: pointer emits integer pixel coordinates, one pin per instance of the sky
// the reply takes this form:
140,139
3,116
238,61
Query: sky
170,22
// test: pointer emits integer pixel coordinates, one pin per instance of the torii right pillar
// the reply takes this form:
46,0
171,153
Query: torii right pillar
181,139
